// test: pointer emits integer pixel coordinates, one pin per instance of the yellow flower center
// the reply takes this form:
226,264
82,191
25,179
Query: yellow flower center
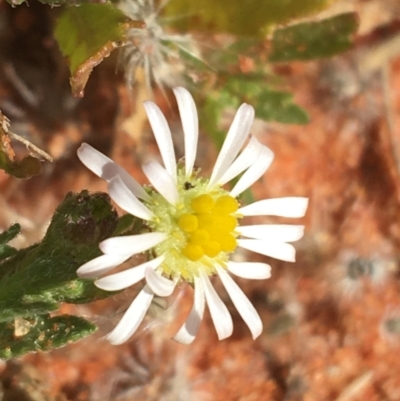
208,230
200,228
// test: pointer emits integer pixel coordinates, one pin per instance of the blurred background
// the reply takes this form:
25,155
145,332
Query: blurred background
332,319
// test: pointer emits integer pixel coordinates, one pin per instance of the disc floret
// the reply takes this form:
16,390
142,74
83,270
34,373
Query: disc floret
200,228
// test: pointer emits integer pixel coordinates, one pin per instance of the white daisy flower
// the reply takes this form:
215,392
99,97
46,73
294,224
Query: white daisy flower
193,224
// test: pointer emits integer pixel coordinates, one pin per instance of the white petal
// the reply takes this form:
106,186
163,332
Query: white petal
131,243
243,161
190,124
277,250
160,285
161,181
242,303
100,265
234,140
273,232
218,310
255,171
132,317
162,133
126,278
106,169
250,270
187,333
285,207
126,200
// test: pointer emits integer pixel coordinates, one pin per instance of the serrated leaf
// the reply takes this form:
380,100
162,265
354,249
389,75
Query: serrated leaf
83,31
41,333
86,35
311,40
35,280
244,18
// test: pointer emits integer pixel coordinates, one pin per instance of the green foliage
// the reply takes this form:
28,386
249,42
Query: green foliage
34,281
86,35
55,2
82,31
25,168
311,40
41,333
269,104
245,18
5,237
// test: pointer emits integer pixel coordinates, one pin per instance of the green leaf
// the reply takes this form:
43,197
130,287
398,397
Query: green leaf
86,35
25,168
128,225
243,18
5,238
41,333
311,40
83,31
278,106
210,113
36,279
269,104
56,2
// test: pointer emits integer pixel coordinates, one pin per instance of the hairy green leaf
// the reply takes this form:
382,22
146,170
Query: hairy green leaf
311,40
5,238
86,35
41,333
244,18
35,280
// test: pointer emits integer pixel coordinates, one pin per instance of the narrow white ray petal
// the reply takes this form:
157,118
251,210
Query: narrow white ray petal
131,243
160,285
100,265
273,232
190,124
218,310
234,140
106,169
277,250
242,303
126,200
250,270
163,136
132,317
93,159
161,181
126,278
112,170
285,207
187,333
243,161
255,171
